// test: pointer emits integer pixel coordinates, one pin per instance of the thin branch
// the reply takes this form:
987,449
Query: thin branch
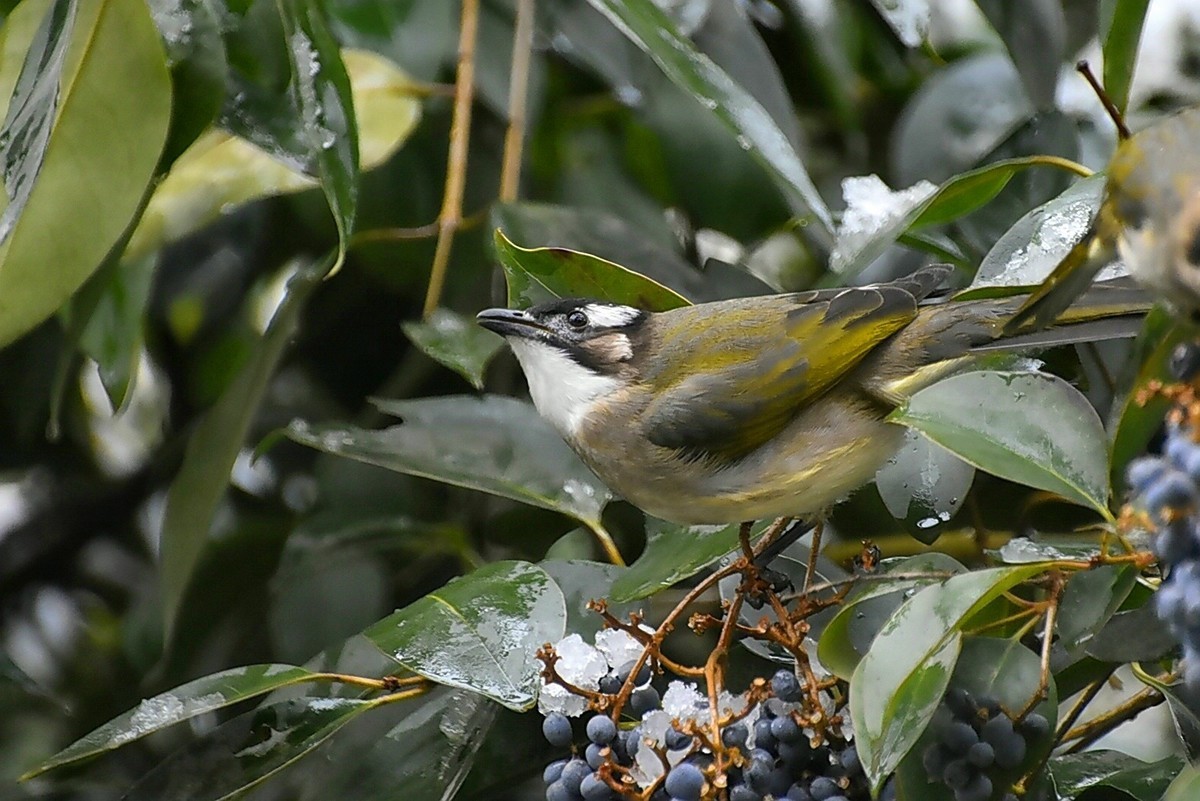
456,166
518,91
1087,733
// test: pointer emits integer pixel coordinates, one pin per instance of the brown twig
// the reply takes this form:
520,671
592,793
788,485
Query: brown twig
1088,695
1087,733
518,90
1114,113
456,166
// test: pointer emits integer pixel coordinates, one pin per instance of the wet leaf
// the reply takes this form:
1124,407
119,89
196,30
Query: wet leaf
541,274
1073,774
908,19
1032,428
1091,598
581,582
1137,635
195,493
456,342
673,553
923,485
652,31
492,444
1186,785
80,191
1035,33
1183,711
1123,32
899,683
248,750
480,631
848,636
191,35
187,701
221,171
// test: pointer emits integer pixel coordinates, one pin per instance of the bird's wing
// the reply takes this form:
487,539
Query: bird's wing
743,382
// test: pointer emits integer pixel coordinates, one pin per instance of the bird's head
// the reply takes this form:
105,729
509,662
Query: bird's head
573,352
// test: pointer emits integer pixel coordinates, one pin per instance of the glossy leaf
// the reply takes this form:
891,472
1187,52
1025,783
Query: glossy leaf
221,171
581,582
652,31
1136,635
1073,774
248,750
848,636
96,165
1186,785
908,19
1035,33
480,631
1184,715
899,683
1123,33
191,35
1091,598
1032,428
195,493
542,274
673,553
923,485
492,444
187,701
456,342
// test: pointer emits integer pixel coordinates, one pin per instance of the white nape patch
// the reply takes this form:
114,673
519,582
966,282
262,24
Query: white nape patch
562,389
606,316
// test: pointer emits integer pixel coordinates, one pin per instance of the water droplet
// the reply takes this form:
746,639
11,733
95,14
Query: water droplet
743,142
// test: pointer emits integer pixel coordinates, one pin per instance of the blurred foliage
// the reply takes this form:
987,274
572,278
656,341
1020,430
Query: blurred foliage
221,216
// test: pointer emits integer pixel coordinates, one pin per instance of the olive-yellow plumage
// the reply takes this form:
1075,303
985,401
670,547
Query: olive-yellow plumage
756,407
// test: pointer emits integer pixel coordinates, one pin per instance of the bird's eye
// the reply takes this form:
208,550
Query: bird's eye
577,319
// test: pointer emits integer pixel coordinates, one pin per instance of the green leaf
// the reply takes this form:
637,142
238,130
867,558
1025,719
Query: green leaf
1186,785
320,90
1035,34
78,194
542,274
492,444
195,493
652,31
191,35
1073,774
581,582
923,485
456,342
248,750
1136,635
899,683
673,553
187,701
1032,428
480,631
1091,598
1123,32
848,635
1183,713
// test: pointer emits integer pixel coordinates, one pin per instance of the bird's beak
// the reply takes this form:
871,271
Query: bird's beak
510,323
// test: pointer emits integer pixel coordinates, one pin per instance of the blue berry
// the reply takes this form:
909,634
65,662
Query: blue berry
981,755
1172,494
553,771
601,729
797,754
557,730
959,737
996,730
1034,727
979,788
759,769
644,700
610,684
685,781
1176,541
1144,471
643,674
593,788
957,774
823,788
962,703
594,755
798,792
1010,752
785,730
735,735
743,792
677,740
557,791
785,686
763,738
573,774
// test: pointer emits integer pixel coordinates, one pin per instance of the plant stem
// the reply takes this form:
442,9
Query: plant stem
518,91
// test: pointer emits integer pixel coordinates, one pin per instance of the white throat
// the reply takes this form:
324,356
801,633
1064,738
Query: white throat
562,389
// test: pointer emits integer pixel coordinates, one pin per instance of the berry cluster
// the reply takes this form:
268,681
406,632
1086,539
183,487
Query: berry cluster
975,741
1167,489
775,757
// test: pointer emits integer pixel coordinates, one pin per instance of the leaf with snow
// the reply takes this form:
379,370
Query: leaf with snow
909,19
872,210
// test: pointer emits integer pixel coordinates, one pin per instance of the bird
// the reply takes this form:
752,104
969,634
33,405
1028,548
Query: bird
762,407
1149,218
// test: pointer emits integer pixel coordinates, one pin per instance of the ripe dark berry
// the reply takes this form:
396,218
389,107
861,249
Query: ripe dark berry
981,755
553,771
685,781
643,674
823,788
1175,541
601,729
594,755
957,774
1034,727
573,774
557,729
797,755
785,730
798,792
778,781
593,788
959,737
644,700
1173,493
785,686
979,788
610,684
996,731
556,791
677,740
962,703
743,792
1010,752
735,735
1144,471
